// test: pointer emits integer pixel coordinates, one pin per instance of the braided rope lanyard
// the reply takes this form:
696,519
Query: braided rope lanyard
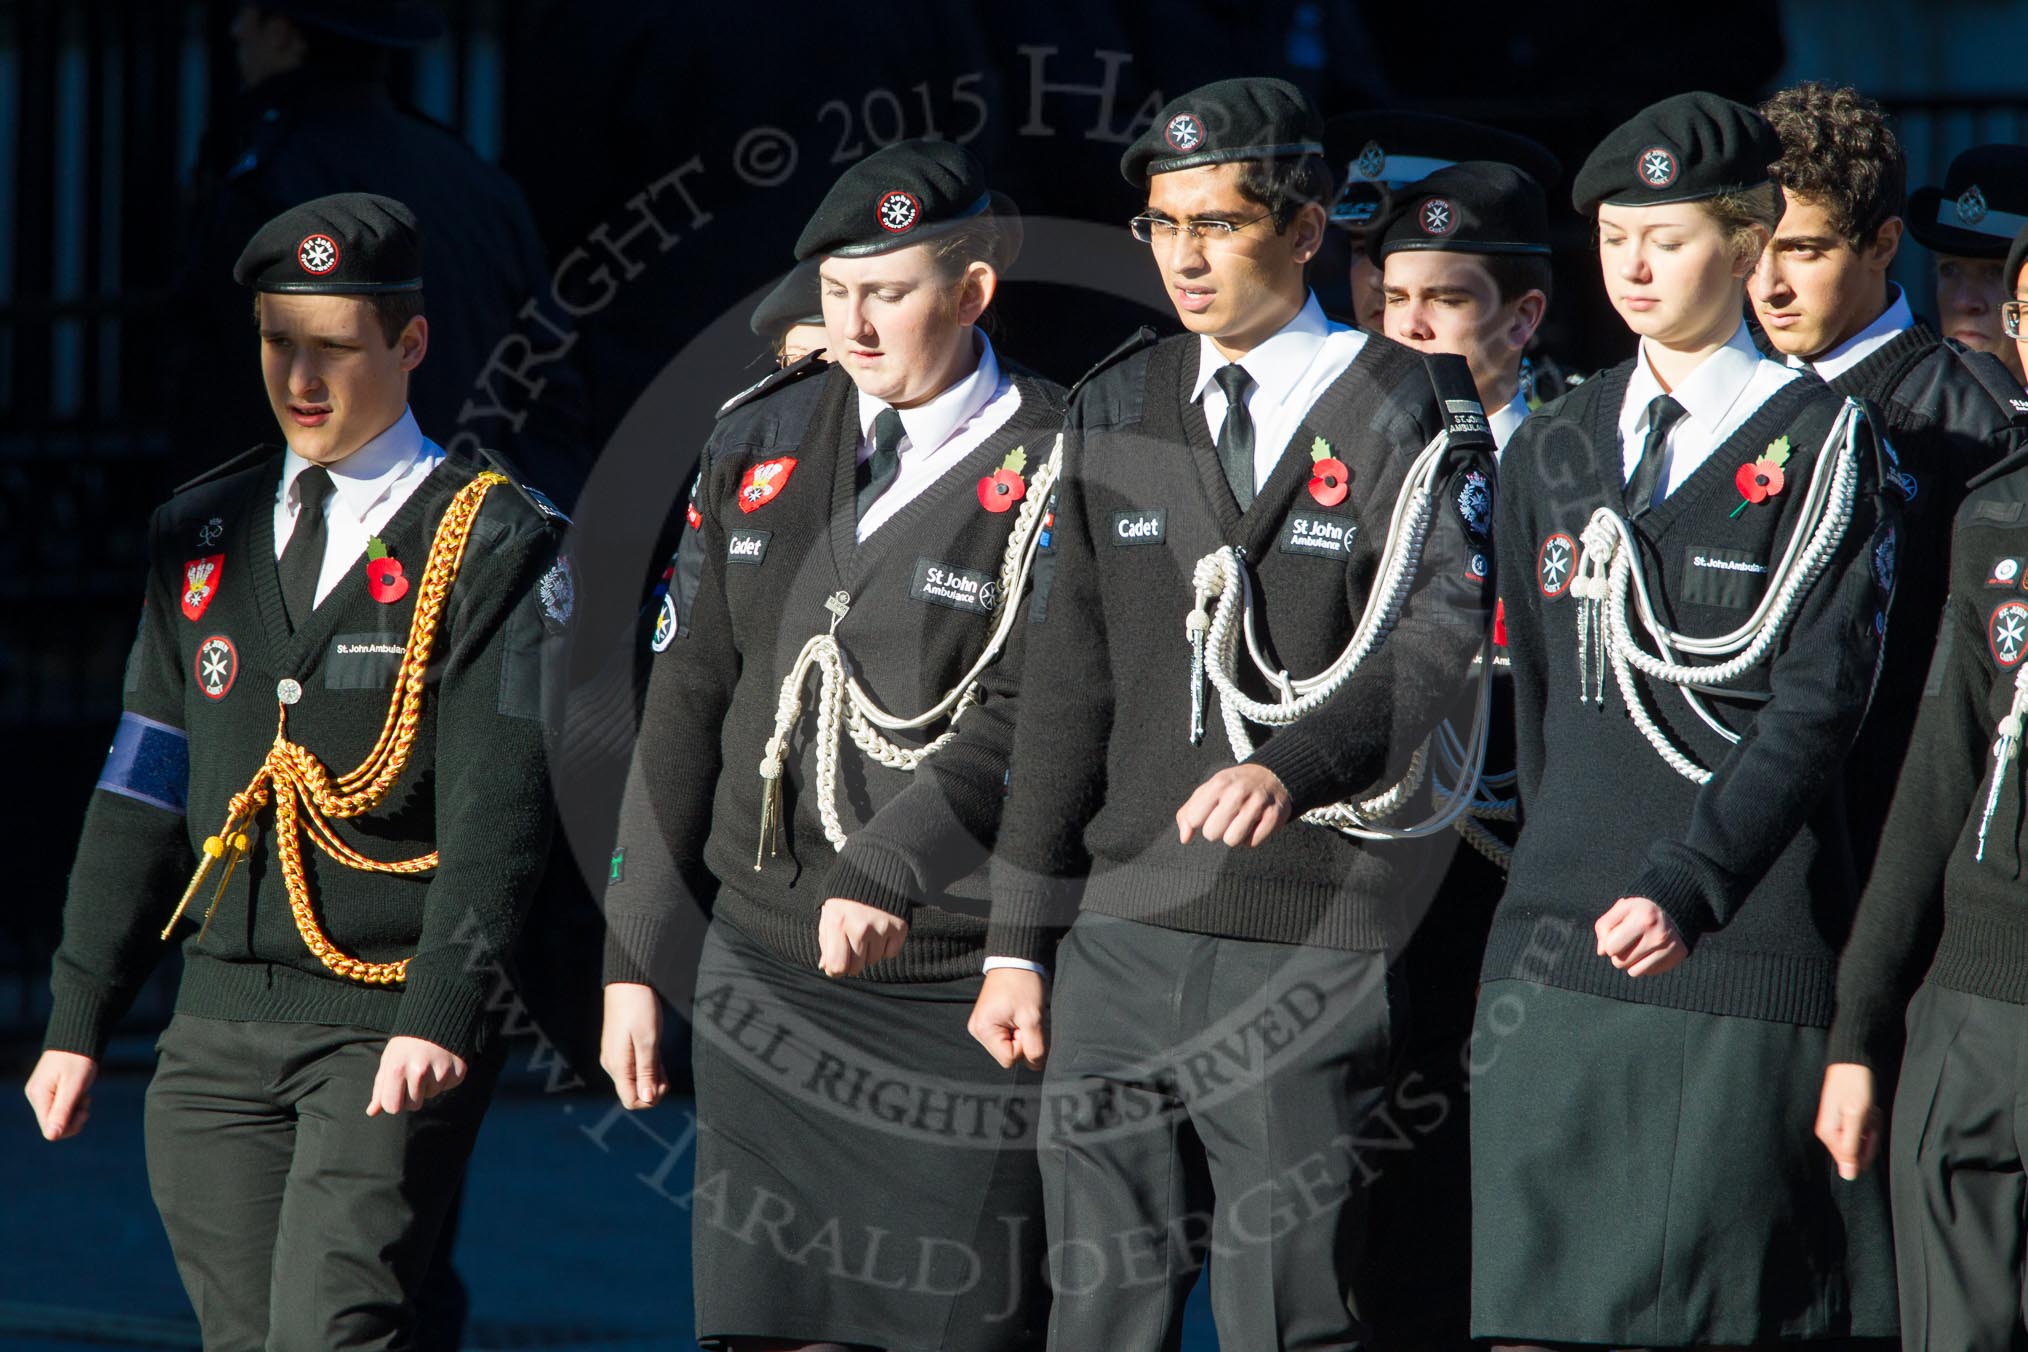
2003,751
1224,614
1608,570
306,795
844,706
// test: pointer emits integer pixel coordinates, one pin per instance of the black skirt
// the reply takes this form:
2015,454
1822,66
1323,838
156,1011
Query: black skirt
1649,1177
865,1172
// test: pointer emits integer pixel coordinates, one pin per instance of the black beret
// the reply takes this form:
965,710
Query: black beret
900,195
1684,149
795,300
2016,256
1375,152
1473,207
351,243
381,23
1982,204
1254,118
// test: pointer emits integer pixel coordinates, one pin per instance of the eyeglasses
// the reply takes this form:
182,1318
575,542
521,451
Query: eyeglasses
2010,317
1162,230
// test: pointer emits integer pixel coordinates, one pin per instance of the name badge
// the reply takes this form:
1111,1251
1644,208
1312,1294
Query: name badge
966,589
1149,526
1319,533
1714,576
362,661
747,546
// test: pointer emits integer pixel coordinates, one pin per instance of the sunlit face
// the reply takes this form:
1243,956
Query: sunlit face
899,326
1369,299
800,341
1438,301
1814,289
1671,274
333,380
1968,297
1237,291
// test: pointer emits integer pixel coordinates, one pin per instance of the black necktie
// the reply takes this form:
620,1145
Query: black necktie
1235,437
303,558
1663,414
877,471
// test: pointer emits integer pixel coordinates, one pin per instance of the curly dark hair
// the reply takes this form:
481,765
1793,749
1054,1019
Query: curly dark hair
1838,149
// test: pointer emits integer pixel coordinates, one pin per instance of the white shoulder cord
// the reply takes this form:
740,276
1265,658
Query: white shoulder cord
844,704
1214,633
1608,570
1454,767
2003,751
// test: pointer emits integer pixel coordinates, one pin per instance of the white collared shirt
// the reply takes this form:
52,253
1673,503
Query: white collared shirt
1505,419
367,488
1289,371
936,435
1726,389
1896,318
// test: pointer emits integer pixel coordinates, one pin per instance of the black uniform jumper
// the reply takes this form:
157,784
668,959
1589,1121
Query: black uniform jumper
1948,882
1219,1023
201,708
1643,1170
1949,414
864,1172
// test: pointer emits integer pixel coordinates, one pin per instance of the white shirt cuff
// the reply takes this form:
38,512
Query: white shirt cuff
1019,964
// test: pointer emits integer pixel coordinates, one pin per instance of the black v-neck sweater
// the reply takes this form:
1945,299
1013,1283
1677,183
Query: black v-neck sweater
1754,867
1102,756
476,788
916,842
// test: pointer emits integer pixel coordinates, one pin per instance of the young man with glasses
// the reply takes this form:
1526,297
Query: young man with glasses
1221,1028
1823,299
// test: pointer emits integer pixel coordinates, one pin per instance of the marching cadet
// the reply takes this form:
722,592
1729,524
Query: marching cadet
1968,223
1380,152
1220,1028
1464,262
331,635
1464,259
1696,555
866,532
1945,893
1824,302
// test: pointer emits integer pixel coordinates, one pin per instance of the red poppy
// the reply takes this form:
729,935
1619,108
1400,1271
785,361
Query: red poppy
1499,624
1759,481
1000,490
384,581
1331,481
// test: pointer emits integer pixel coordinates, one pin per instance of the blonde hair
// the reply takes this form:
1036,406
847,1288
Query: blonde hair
1747,217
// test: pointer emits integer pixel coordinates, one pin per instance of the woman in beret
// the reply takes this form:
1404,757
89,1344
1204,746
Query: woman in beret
823,750
1695,558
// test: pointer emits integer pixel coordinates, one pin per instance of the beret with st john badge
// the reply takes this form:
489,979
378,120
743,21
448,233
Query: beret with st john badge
1255,118
1473,207
900,195
1684,149
1377,152
1982,204
351,243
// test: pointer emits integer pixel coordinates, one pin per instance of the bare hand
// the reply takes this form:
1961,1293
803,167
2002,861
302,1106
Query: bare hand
413,1071
1007,1017
630,1043
852,936
60,1091
1848,1120
1240,806
1639,937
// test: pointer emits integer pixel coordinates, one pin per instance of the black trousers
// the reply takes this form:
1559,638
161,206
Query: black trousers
297,1221
1210,1098
1958,1178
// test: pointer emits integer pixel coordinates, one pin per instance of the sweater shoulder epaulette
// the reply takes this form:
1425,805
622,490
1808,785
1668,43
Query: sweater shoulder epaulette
800,369
545,507
248,459
1457,395
1141,338
1994,378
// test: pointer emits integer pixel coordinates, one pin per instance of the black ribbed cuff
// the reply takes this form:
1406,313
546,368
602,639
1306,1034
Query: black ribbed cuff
450,1013
634,943
1301,764
1680,891
80,1021
873,876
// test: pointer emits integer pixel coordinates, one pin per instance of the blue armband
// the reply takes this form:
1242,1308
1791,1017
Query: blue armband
149,762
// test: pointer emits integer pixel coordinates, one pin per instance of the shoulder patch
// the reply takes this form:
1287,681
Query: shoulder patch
1142,337
775,380
246,459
